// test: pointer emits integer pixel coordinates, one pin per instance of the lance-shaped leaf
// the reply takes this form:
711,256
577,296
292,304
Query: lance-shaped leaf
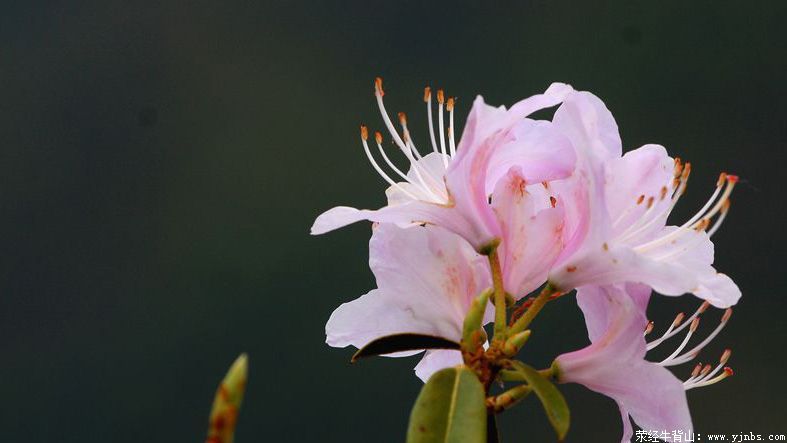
226,403
551,398
403,342
450,409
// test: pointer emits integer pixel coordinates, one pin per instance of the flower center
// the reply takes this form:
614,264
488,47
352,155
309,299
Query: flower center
701,375
422,182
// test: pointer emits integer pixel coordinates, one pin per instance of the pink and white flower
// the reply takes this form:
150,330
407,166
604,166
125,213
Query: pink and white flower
614,363
450,186
427,278
617,208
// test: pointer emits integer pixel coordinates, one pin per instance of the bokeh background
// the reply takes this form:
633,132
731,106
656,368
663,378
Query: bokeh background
161,164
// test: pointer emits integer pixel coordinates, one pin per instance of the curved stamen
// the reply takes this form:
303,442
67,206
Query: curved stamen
428,100
408,140
669,332
703,307
450,107
364,137
731,180
728,372
724,210
667,361
680,180
688,356
440,103
378,137
379,93
695,375
725,356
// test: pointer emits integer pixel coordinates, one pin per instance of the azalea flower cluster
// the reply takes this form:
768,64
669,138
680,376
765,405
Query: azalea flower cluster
519,204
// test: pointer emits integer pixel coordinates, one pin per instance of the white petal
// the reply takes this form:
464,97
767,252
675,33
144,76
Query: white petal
435,360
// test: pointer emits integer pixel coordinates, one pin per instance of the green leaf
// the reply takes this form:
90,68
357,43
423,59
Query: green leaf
403,342
449,409
551,398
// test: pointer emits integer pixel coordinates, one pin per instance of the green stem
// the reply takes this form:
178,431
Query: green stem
524,321
500,296
515,376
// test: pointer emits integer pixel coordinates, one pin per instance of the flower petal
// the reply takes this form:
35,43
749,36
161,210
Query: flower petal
531,239
426,279
617,264
641,172
540,151
614,363
435,360
587,122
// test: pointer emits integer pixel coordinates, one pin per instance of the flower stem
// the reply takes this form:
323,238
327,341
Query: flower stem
524,321
499,297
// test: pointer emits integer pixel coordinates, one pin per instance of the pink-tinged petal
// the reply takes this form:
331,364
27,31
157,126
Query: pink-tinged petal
592,130
484,120
589,125
410,213
692,255
537,148
435,360
718,289
426,278
614,363
374,315
555,94
532,238
628,430
646,171
610,263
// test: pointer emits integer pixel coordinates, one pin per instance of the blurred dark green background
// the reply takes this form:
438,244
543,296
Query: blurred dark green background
160,167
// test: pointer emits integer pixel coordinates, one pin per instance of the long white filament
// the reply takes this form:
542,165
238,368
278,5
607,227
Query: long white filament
692,221
672,331
428,100
380,170
441,127
451,142
689,355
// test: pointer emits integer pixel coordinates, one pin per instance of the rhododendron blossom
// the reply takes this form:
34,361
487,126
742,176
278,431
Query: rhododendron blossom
517,204
614,363
617,209
450,186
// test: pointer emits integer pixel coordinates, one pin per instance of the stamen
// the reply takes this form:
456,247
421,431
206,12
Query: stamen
678,328
693,220
728,372
428,100
694,324
440,125
725,357
717,225
450,107
378,88
675,323
688,356
364,137
378,137
406,150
